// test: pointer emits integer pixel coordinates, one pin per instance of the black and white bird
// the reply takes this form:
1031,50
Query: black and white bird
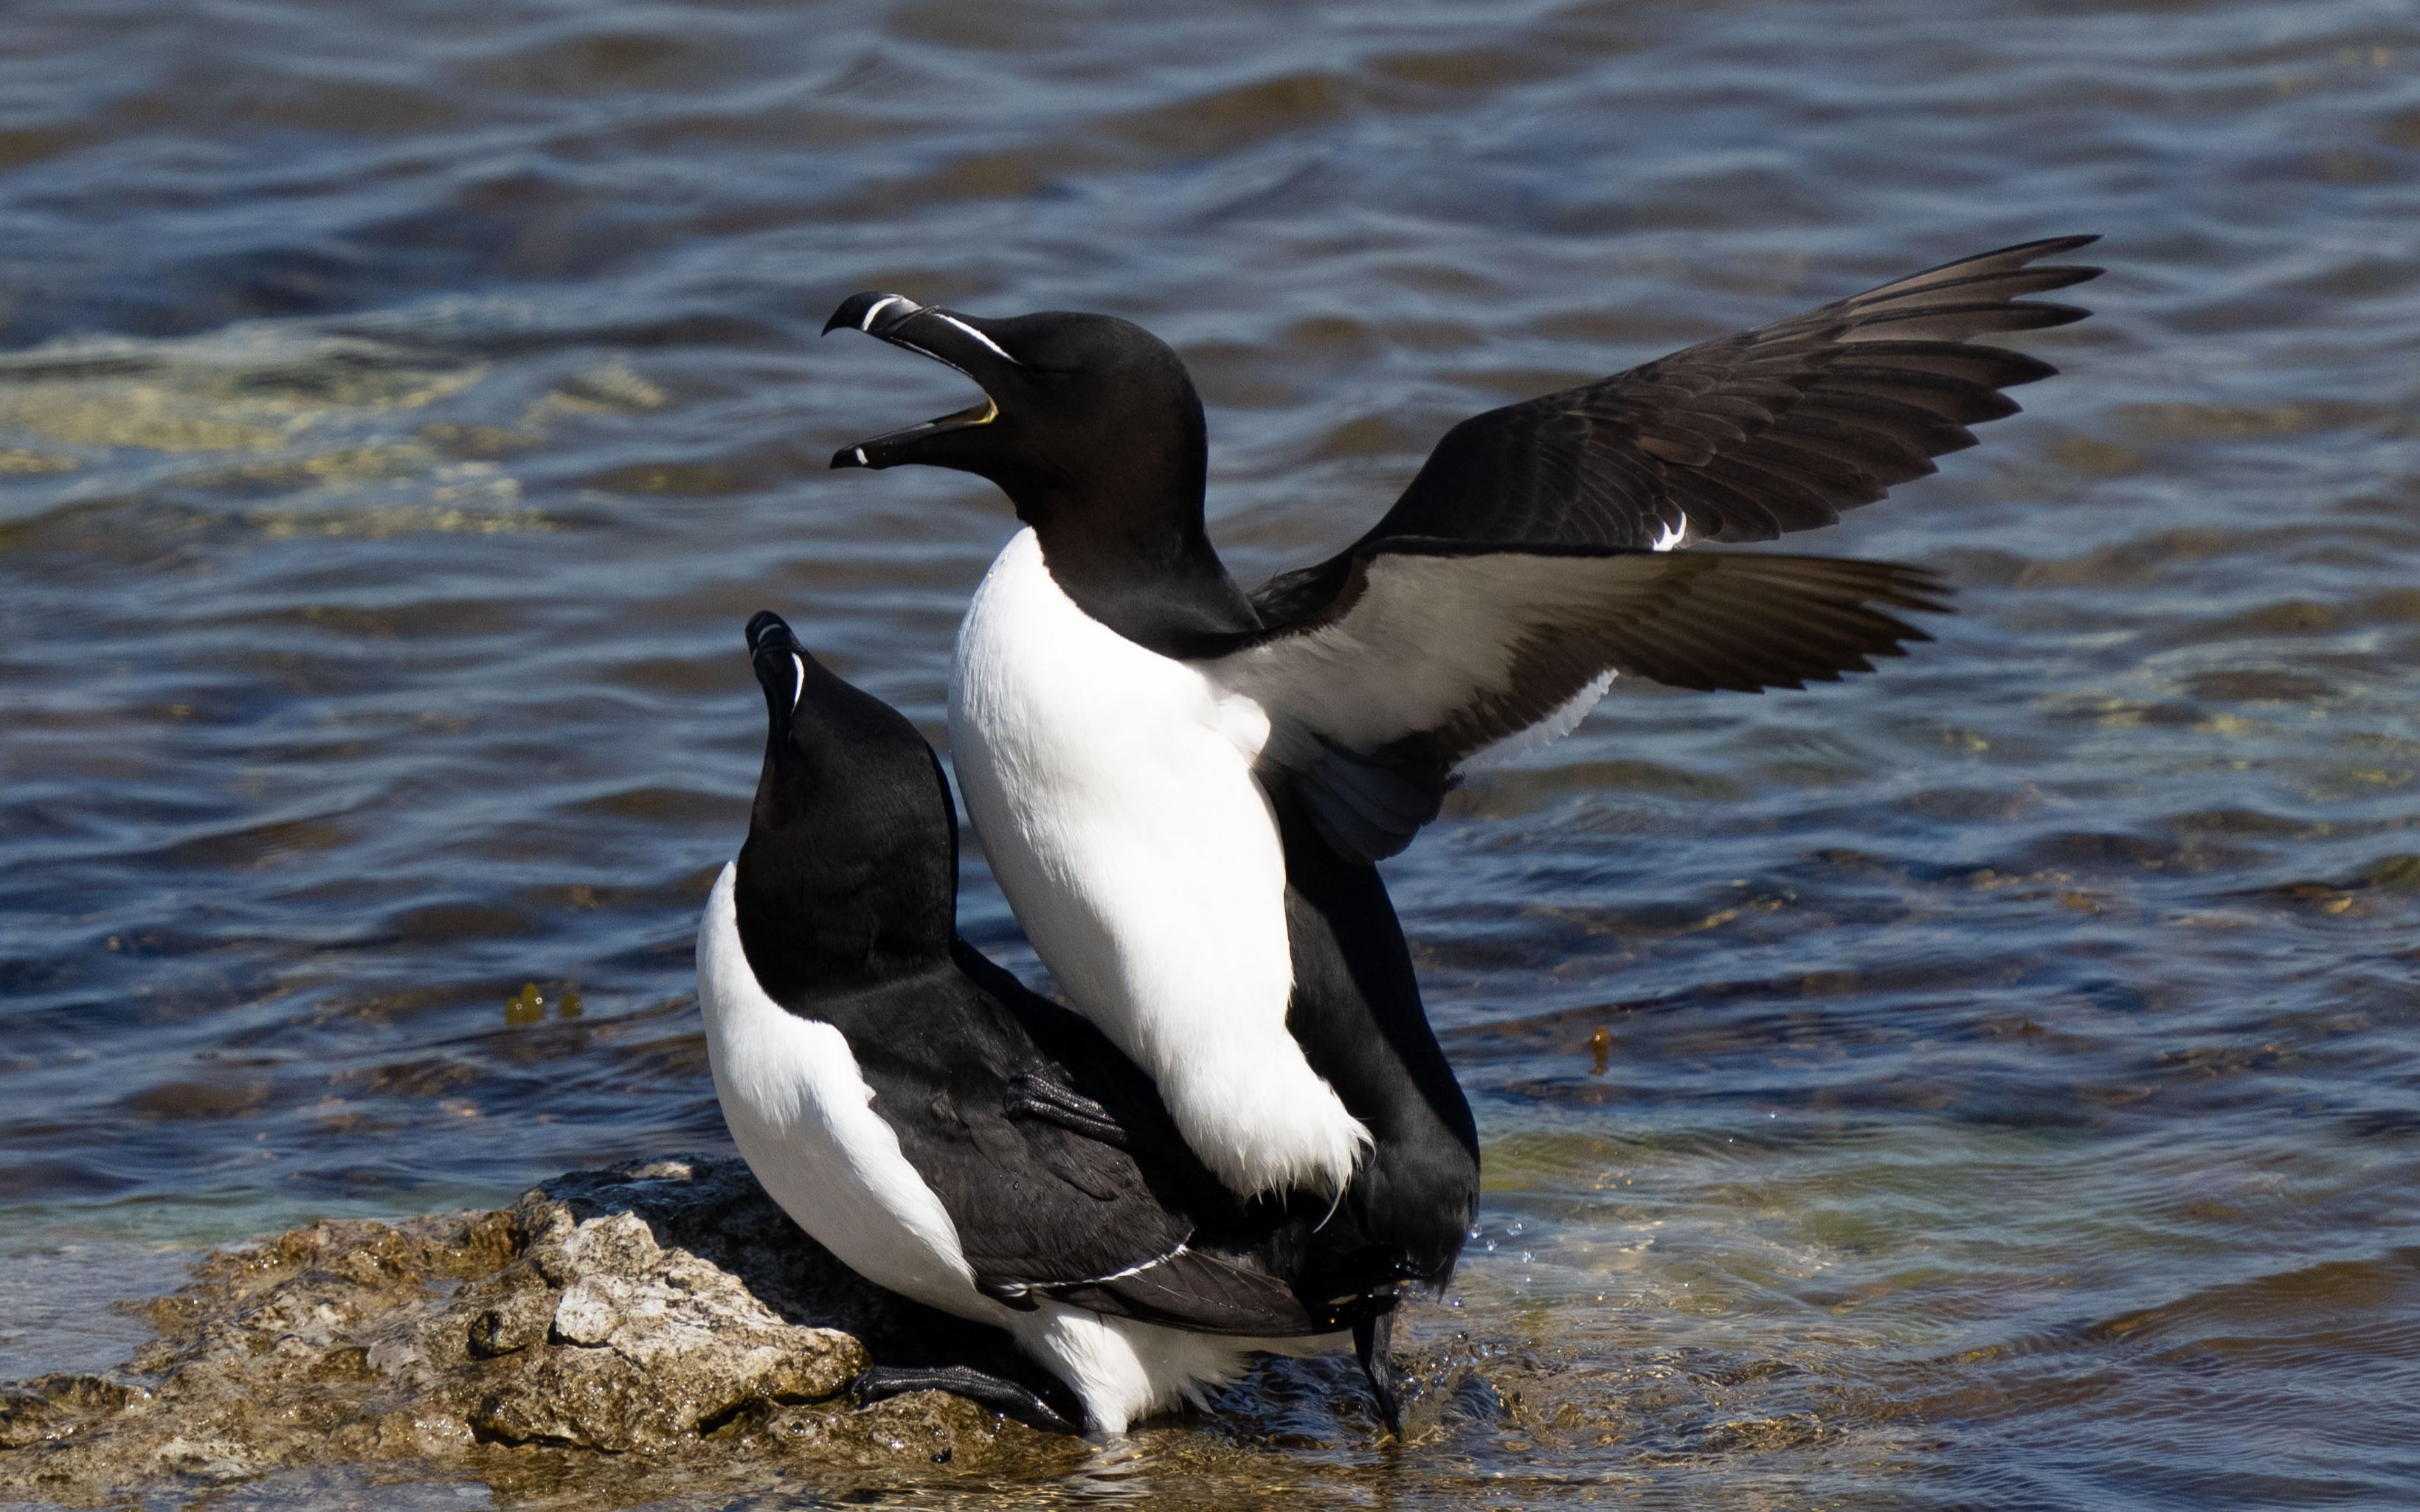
1148,751
949,1134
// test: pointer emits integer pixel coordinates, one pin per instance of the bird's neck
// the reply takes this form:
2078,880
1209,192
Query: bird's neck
812,930
1141,564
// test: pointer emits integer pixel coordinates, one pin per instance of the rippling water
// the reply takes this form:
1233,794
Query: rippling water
1995,1082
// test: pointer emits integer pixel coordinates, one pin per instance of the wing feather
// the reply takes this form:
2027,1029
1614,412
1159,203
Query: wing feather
1739,438
1066,1178
1201,1290
1515,573
1439,651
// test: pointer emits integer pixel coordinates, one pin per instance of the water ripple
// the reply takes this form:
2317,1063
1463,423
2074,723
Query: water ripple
1985,1084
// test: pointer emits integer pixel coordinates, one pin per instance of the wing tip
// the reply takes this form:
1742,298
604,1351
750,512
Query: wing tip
2047,314
2052,246
2014,264
2023,253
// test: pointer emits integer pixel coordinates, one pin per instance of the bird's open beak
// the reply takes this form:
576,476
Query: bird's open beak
943,335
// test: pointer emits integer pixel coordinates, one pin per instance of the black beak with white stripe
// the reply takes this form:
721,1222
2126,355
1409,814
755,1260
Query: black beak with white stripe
946,337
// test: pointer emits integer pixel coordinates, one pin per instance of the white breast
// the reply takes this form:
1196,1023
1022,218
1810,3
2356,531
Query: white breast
803,1118
1112,788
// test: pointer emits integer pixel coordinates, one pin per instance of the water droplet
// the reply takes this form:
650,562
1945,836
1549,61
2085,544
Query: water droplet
1491,1246
1528,1256
1515,1226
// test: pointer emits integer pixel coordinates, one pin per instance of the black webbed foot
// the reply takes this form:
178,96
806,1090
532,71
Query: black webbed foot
1371,1337
1007,1397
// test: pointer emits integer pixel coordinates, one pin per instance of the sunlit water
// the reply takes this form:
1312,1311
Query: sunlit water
1991,1083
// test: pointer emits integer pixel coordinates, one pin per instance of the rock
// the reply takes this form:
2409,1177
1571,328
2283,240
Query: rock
649,1344
665,1309
48,1406
654,1333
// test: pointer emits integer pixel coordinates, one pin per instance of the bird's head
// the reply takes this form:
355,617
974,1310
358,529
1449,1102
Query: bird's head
1082,417
849,873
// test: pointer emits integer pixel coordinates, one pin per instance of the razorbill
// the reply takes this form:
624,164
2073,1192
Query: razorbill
951,1136
1135,732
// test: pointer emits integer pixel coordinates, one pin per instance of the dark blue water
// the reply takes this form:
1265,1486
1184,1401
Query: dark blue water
1993,1081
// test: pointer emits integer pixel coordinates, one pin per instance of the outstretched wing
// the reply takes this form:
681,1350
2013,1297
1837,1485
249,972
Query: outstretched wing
1431,651
1532,557
1739,438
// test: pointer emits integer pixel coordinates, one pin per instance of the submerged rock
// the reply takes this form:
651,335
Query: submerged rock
662,1312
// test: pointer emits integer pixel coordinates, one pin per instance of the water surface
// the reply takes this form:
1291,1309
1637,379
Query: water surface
1995,1082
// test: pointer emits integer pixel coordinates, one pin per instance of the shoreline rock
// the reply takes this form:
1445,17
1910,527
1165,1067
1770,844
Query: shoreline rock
657,1331
647,1312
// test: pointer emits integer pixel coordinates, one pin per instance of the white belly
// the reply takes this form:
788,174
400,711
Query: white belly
1112,788
803,1118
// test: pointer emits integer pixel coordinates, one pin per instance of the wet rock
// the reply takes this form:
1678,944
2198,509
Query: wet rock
48,1406
664,1311
1795,1430
515,1321
649,1344
657,1333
